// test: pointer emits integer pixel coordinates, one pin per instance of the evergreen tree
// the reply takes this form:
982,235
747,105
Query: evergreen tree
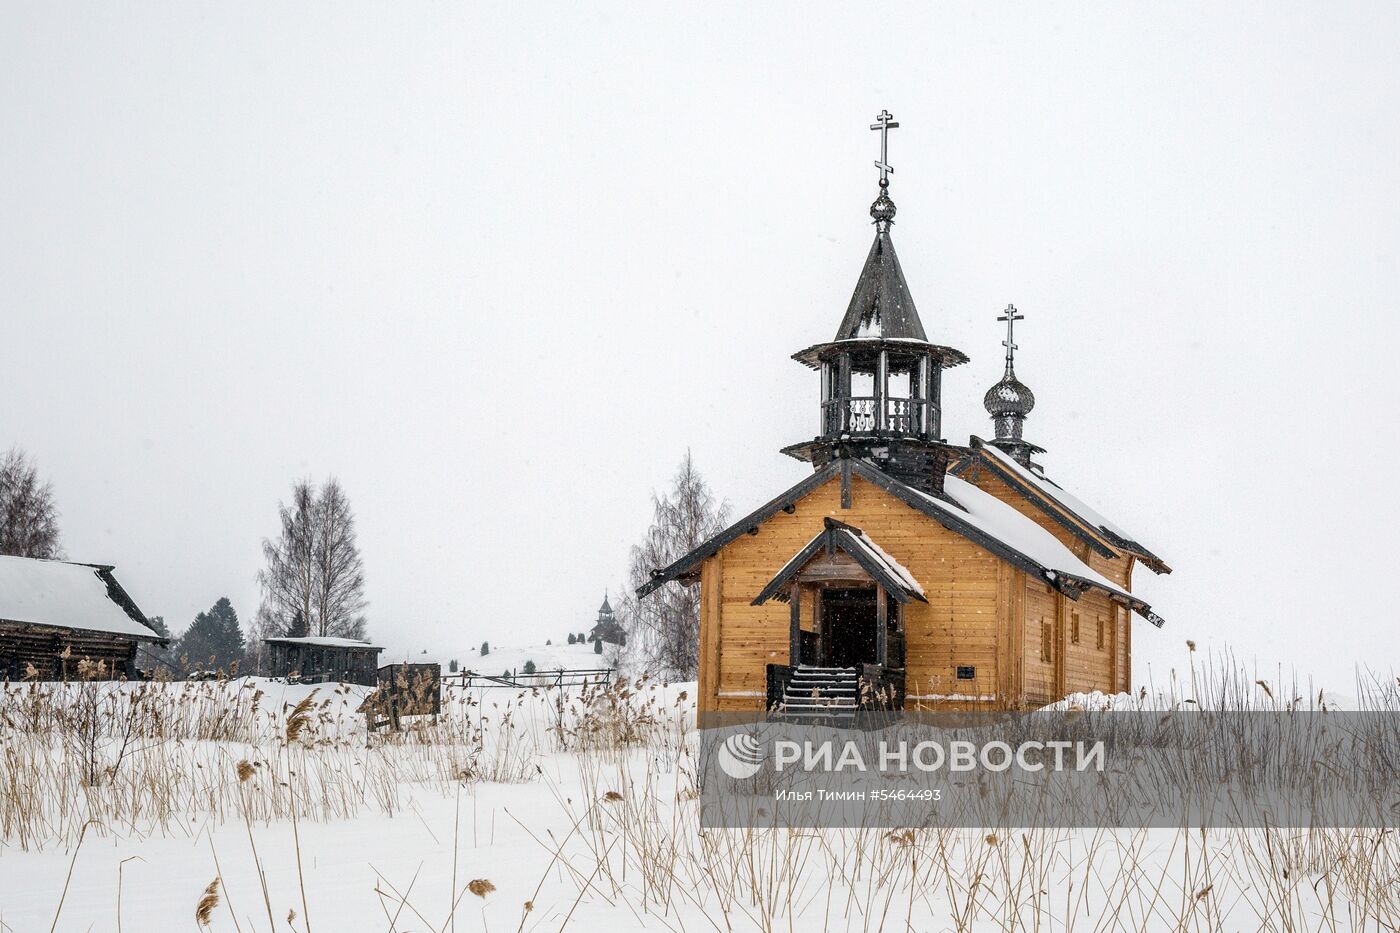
572,639
214,639
597,646
529,667
157,625
485,648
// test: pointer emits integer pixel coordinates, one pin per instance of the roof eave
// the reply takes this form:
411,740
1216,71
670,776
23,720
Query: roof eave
49,626
787,499
947,356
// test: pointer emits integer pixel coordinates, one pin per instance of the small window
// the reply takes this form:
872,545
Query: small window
1074,628
1047,641
967,672
1100,640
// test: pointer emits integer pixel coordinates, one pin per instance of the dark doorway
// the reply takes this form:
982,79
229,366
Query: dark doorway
848,622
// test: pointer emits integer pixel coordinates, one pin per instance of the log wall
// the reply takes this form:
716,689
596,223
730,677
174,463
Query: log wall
44,647
959,626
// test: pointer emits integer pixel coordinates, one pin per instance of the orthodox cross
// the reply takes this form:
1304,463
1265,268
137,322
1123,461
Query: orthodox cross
884,124
1010,316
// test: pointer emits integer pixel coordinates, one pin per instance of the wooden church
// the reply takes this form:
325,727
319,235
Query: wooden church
907,572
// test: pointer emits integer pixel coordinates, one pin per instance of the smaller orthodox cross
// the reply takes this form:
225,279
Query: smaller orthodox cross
1010,316
884,124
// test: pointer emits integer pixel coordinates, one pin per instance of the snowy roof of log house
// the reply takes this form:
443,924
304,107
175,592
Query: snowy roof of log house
63,594
322,641
1044,486
965,509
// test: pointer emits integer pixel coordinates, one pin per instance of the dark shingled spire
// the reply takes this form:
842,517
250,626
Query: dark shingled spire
881,305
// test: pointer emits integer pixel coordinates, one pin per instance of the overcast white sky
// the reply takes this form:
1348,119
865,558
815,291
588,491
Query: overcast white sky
496,266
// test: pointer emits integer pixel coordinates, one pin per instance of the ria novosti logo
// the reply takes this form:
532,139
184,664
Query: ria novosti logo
740,756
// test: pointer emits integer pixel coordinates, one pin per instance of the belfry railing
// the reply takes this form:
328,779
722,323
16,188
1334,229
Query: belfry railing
862,415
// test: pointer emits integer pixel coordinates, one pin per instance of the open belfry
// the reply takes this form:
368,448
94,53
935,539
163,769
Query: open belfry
908,572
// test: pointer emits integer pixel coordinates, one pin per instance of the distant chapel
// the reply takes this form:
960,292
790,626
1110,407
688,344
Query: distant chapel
607,629
908,572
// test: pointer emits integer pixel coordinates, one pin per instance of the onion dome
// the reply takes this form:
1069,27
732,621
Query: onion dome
1009,397
883,208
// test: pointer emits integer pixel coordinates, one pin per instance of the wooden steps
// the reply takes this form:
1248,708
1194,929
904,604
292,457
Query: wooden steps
821,695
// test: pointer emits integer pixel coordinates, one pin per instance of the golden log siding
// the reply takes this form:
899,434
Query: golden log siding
949,577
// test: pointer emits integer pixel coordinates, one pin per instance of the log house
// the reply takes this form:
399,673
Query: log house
61,620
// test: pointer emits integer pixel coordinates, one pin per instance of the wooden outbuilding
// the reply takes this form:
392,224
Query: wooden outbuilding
323,659
61,620
907,571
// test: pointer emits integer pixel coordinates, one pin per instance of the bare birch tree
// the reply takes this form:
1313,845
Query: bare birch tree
314,581
28,513
663,629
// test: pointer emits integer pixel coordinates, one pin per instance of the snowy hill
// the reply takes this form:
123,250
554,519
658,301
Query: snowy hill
503,657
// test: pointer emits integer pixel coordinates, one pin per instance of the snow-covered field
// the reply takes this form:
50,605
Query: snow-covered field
556,656
515,811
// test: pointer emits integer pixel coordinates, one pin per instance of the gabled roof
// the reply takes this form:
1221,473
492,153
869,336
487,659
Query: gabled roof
964,509
322,641
1038,486
881,305
62,594
847,539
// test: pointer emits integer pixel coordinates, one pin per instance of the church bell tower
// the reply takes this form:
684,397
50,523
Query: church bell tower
881,377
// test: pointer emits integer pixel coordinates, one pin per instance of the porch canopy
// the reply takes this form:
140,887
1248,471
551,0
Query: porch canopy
820,559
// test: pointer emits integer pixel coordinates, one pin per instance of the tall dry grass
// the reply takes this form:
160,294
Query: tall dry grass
80,759
154,757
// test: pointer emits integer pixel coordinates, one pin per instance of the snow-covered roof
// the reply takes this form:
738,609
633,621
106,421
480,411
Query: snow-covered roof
894,567
873,559
998,520
323,641
1057,494
84,597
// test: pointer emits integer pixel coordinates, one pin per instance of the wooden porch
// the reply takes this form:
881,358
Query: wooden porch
845,625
